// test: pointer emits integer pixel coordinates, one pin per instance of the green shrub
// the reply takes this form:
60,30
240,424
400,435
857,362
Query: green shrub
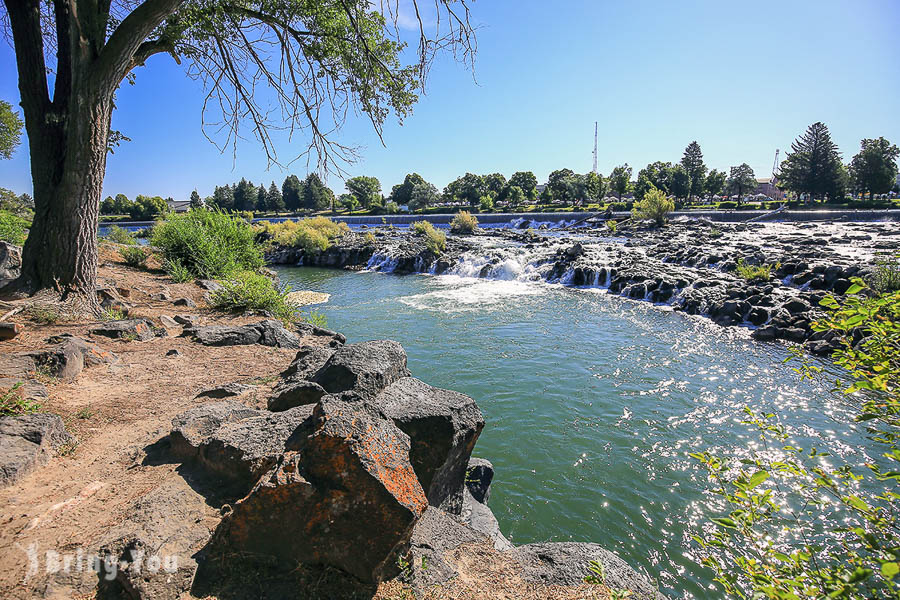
754,272
654,205
246,290
120,235
370,238
313,235
463,222
435,240
177,271
13,228
208,243
886,277
134,256
727,205
486,204
391,208
612,225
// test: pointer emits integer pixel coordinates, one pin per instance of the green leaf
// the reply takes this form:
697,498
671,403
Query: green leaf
757,479
725,522
890,569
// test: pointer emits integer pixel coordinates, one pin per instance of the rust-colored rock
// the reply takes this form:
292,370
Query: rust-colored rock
344,494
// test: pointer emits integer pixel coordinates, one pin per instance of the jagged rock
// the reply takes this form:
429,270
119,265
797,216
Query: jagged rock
443,427
27,442
135,329
266,333
186,320
225,391
168,322
154,545
479,517
566,563
294,393
162,296
479,475
185,302
209,285
232,443
10,262
436,535
365,368
333,338
345,495
307,361
93,355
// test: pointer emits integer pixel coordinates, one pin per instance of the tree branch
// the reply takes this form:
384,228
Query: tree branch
25,21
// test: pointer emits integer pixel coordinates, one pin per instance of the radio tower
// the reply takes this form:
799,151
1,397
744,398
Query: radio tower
595,146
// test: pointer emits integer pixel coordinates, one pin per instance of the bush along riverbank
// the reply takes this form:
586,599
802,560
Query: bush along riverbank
768,277
173,449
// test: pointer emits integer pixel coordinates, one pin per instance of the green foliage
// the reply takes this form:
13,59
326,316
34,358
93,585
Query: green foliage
655,205
740,181
469,188
693,164
177,271
612,225
874,169
114,314
391,208
435,240
813,167
317,319
886,277
422,195
10,129
366,190
208,243
316,196
120,235
13,402
13,228
463,222
679,182
486,204
803,491
245,290
292,192
314,235
714,183
754,272
403,193
619,179
526,181
146,208
134,256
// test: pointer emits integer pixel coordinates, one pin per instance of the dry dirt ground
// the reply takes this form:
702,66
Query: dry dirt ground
117,412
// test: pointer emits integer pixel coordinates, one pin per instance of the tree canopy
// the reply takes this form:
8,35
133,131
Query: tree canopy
813,167
874,169
367,190
692,161
741,180
619,179
10,129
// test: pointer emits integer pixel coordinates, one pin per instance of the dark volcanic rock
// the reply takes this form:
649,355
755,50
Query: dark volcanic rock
443,427
566,563
228,390
307,361
434,537
347,498
365,368
266,333
27,442
294,393
479,475
135,329
332,338
479,517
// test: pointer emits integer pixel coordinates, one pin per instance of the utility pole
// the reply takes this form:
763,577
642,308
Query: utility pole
595,146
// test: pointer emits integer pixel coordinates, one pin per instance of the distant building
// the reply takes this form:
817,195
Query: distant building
767,187
179,205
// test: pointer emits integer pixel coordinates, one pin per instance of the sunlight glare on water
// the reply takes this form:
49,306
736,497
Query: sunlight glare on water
592,402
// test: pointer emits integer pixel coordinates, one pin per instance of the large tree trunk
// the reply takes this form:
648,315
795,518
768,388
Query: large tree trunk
68,162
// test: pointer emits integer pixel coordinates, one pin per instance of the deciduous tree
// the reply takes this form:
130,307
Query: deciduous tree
366,189
740,181
619,179
715,182
10,129
319,59
874,169
527,181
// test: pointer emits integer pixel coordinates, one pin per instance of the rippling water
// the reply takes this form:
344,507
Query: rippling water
592,402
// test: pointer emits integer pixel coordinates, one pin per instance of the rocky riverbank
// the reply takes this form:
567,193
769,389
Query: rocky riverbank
185,453
690,265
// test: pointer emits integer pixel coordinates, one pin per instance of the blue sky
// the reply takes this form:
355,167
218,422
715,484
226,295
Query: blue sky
741,78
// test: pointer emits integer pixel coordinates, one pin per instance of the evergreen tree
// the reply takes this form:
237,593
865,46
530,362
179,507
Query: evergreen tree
316,196
813,167
274,200
292,193
874,169
244,195
692,161
196,202
223,197
261,204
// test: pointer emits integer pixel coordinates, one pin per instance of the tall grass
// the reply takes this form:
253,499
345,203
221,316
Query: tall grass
120,235
886,277
246,290
435,240
754,273
208,243
463,222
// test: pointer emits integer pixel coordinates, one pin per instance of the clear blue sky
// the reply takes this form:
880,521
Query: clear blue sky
741,78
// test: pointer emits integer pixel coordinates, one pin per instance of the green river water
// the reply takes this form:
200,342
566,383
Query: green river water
592,402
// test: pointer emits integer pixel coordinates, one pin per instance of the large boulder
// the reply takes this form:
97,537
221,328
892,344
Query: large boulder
294,393
233,444
331,338
479,476
27,442
307,361
443,427
344,495
480,518
266,333
435,536
365,368
566,563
